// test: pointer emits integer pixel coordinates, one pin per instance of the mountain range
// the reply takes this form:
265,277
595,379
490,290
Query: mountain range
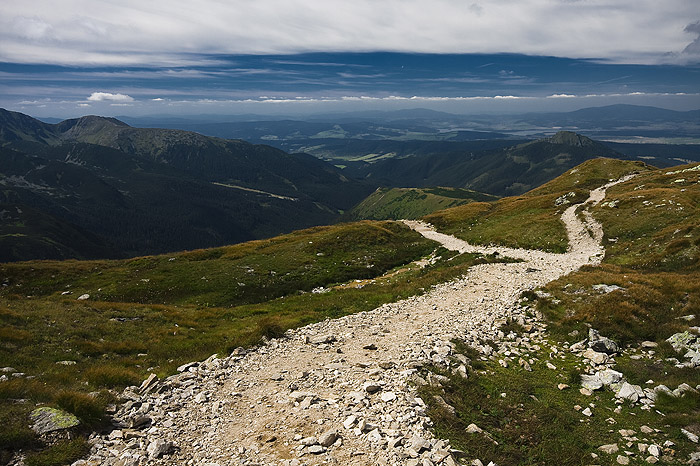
504,171
611,122
96,187
109,190
662,137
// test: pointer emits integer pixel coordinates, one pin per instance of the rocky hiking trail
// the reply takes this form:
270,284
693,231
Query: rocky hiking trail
339,391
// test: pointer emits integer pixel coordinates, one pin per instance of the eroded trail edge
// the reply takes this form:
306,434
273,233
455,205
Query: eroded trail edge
339,391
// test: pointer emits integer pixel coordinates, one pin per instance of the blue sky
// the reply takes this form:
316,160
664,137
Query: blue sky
291,57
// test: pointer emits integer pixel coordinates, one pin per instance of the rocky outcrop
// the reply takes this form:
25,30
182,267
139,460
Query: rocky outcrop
601,344
686,344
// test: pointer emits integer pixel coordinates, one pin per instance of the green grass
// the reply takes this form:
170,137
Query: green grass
680,411
413,203
62,453
658,370
647,307
535,423
15,433
524,222
653,252
532,220
653,222
591,174
652,238
241,274
116,342
652,241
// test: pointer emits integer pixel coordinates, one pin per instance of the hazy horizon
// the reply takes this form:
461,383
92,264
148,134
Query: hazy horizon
312,115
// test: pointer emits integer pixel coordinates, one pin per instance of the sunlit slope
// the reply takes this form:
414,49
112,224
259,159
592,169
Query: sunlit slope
532,220
652,241
412,203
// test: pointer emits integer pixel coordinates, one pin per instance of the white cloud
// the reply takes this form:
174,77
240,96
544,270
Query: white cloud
171,32
281,105
108,96
365,98
561,96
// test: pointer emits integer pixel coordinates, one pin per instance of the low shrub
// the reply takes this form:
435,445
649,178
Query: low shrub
270,326
21,388
512,326
15,433
60,454
87,407
111,376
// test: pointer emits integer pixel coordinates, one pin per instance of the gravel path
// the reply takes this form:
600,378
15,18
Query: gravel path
337,392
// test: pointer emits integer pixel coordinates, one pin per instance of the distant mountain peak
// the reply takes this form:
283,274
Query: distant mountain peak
87,128
570,138
91,121
16,126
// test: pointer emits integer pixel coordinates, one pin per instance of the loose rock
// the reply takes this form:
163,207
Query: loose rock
51,419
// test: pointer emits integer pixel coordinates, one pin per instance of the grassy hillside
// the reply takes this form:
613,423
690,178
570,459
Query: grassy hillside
652,236
412,203
532,220
647,289
133,206
27,232
151,314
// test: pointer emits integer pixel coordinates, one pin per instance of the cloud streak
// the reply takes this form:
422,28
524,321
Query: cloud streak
126,100
179,32
313,104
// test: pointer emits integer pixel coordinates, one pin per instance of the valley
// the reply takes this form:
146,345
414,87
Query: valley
412,203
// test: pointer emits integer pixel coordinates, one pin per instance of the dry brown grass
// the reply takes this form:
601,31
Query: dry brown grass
646,308
524,222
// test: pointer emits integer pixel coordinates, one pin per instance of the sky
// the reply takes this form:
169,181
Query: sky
287,57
